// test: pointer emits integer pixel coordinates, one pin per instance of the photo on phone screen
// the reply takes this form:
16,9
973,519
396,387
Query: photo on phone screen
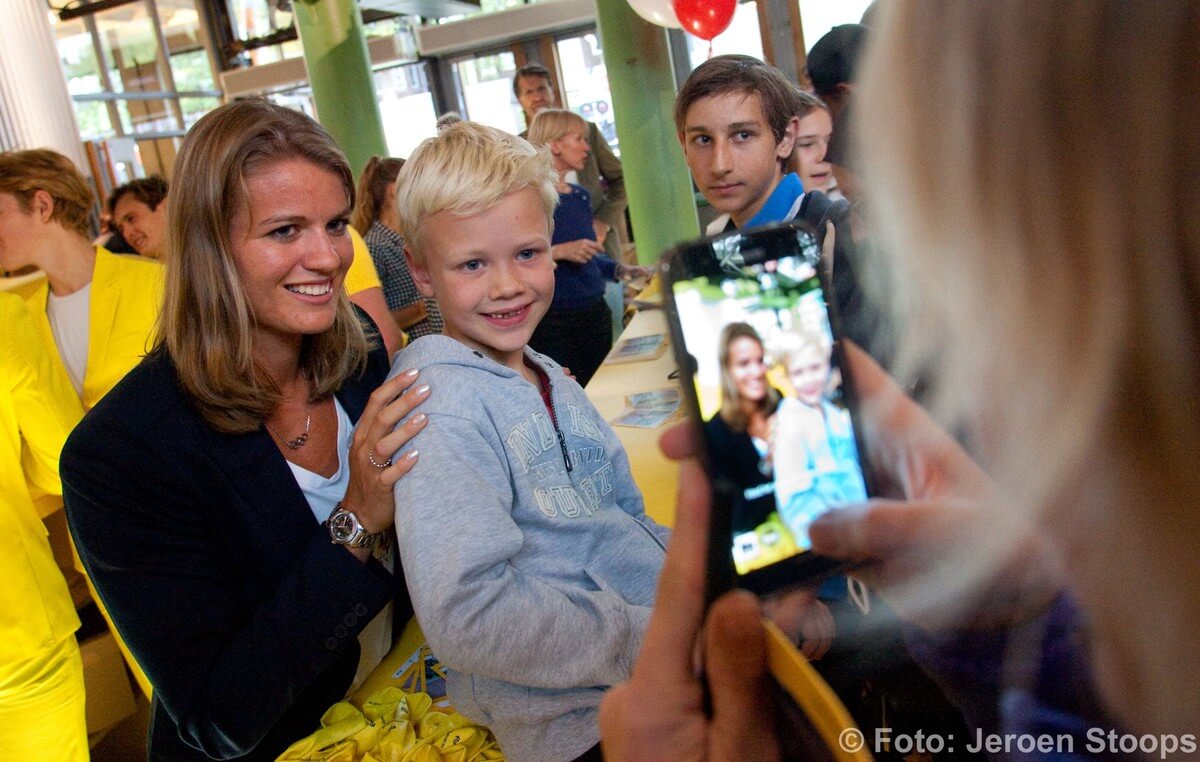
751,312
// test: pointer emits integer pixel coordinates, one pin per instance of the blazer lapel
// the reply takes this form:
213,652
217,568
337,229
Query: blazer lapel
277,515
102,311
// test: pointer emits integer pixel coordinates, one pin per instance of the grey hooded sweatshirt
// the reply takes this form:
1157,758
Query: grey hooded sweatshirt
529,556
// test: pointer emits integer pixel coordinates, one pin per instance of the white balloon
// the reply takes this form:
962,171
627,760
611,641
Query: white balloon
658,12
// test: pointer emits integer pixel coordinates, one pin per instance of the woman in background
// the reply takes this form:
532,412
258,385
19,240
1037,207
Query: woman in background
232,496
577,332
375,216
41,675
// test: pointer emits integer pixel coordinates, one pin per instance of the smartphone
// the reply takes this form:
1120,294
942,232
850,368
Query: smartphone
761,370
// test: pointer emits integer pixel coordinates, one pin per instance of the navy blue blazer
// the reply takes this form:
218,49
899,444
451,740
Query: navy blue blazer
736,458
226,589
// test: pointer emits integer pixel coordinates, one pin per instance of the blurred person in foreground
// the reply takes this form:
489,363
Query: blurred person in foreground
1062,575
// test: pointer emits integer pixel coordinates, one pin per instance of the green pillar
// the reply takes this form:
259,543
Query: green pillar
642,83
339,69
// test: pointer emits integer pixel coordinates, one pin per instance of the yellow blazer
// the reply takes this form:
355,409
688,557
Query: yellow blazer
38,408
125,301
126,297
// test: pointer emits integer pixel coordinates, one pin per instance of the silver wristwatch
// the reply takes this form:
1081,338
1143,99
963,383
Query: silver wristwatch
344,529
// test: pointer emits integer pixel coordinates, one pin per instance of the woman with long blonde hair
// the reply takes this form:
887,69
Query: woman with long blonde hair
231,498
577,331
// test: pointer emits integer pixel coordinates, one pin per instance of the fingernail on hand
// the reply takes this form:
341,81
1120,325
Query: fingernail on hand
419,419
422,390
411,373
412,454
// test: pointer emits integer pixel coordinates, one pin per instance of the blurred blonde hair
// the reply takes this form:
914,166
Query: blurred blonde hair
552,124
1052,242
469,168
795,344
23,173
207,324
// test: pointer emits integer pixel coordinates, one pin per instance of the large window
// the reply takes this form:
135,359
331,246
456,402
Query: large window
406,105
485,84
138,70
585,83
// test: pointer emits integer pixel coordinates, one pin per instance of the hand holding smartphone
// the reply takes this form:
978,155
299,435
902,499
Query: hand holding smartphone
762,373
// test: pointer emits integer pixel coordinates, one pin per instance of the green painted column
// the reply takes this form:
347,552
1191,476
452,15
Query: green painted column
339,69
642,83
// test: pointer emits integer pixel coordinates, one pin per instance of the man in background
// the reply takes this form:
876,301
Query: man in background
601,176
139,213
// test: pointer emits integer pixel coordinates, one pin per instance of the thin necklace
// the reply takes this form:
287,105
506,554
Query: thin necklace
298,442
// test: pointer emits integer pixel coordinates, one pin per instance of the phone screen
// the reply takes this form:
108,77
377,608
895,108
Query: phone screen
762,369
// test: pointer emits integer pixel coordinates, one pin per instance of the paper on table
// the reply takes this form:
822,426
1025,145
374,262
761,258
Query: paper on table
649,347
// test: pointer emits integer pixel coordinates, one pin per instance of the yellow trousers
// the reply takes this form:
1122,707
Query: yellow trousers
41,707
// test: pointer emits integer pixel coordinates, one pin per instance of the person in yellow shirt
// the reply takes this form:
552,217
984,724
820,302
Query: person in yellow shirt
41,674
94,310
366,291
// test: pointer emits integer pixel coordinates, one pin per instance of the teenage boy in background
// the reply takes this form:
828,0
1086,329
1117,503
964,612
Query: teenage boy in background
736,118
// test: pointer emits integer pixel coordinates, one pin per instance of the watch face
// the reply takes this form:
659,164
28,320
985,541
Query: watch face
343,526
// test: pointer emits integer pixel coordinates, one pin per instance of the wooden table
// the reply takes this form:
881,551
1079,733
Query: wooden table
655,475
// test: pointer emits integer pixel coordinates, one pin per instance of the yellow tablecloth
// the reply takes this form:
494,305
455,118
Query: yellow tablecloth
654,474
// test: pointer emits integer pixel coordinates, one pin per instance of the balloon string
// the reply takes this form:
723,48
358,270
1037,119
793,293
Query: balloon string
710,48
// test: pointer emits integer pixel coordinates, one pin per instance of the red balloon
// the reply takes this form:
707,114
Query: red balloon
705,18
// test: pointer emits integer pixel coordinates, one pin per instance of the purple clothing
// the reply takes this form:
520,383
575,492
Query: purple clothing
577,286
1034,679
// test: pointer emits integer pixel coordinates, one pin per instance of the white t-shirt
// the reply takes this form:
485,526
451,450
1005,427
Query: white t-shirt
69,322
323,495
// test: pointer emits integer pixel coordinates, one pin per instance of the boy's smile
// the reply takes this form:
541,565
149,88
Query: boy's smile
732,153
491,273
